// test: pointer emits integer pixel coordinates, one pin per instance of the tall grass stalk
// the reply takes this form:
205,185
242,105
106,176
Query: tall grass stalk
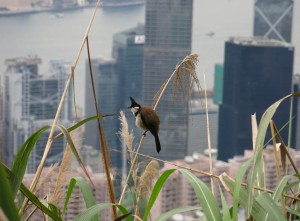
50,138
102,138
187,68
208,139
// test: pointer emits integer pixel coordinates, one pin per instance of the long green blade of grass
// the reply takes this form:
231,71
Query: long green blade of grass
156,189
7,204
257,170
33,198
236,192
225,208
281,187
80,123
230,185
94,210
74,150
204,195
86,193
20,163
170,213
273,212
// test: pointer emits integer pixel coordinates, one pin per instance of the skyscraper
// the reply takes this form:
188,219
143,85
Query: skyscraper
128,51
273,19
107,85
168,32
257,73
30,102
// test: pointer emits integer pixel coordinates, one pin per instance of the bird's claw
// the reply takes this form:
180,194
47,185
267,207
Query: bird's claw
144,134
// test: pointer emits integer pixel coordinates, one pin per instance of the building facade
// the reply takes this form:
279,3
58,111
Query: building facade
273,19
198,137
257,73
30,101
128,51
107,86
168,32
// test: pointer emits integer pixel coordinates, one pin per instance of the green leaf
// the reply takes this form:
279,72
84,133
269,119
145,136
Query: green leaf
80,123
273,212
20,163
86,193
204,195
170,213
281,187
7,204
156,189
69,193
94,210
74,150
259,144
34,199
230,185
225,208
236,192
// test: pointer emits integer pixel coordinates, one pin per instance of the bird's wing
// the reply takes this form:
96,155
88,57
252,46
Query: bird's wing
152,125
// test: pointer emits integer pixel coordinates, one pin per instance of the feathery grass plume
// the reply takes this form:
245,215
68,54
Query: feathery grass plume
184,78
43,188
147,178
145,184
126,136
46,180
62,180
186,67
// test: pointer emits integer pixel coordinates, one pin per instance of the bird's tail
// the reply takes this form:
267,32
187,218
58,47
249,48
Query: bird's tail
158,148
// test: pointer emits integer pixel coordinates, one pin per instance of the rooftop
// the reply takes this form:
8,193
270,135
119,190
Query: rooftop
259,41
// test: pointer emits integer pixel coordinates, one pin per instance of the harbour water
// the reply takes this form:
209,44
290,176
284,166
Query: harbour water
50,36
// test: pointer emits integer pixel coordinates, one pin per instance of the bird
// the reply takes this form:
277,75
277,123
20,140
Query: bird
147,120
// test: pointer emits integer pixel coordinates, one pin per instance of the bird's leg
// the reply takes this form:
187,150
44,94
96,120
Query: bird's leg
145,133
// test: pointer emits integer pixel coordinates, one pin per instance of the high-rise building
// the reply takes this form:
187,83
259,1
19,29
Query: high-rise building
257,73
197,136
273,19
107,86
128,51
218,83
168,32
30,101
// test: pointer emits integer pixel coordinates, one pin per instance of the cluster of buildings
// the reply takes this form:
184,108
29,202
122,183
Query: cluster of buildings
257,71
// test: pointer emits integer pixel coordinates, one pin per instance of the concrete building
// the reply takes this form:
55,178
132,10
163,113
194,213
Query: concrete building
197,136
128,51
257,73
30,102
168,32
107,85
273,19
218,84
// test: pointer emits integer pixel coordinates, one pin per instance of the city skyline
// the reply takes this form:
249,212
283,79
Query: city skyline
148,102
253,73
30,101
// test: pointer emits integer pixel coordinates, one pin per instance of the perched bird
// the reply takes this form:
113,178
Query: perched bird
147,120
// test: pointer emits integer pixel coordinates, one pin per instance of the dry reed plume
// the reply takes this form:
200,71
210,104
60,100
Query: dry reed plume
184,77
